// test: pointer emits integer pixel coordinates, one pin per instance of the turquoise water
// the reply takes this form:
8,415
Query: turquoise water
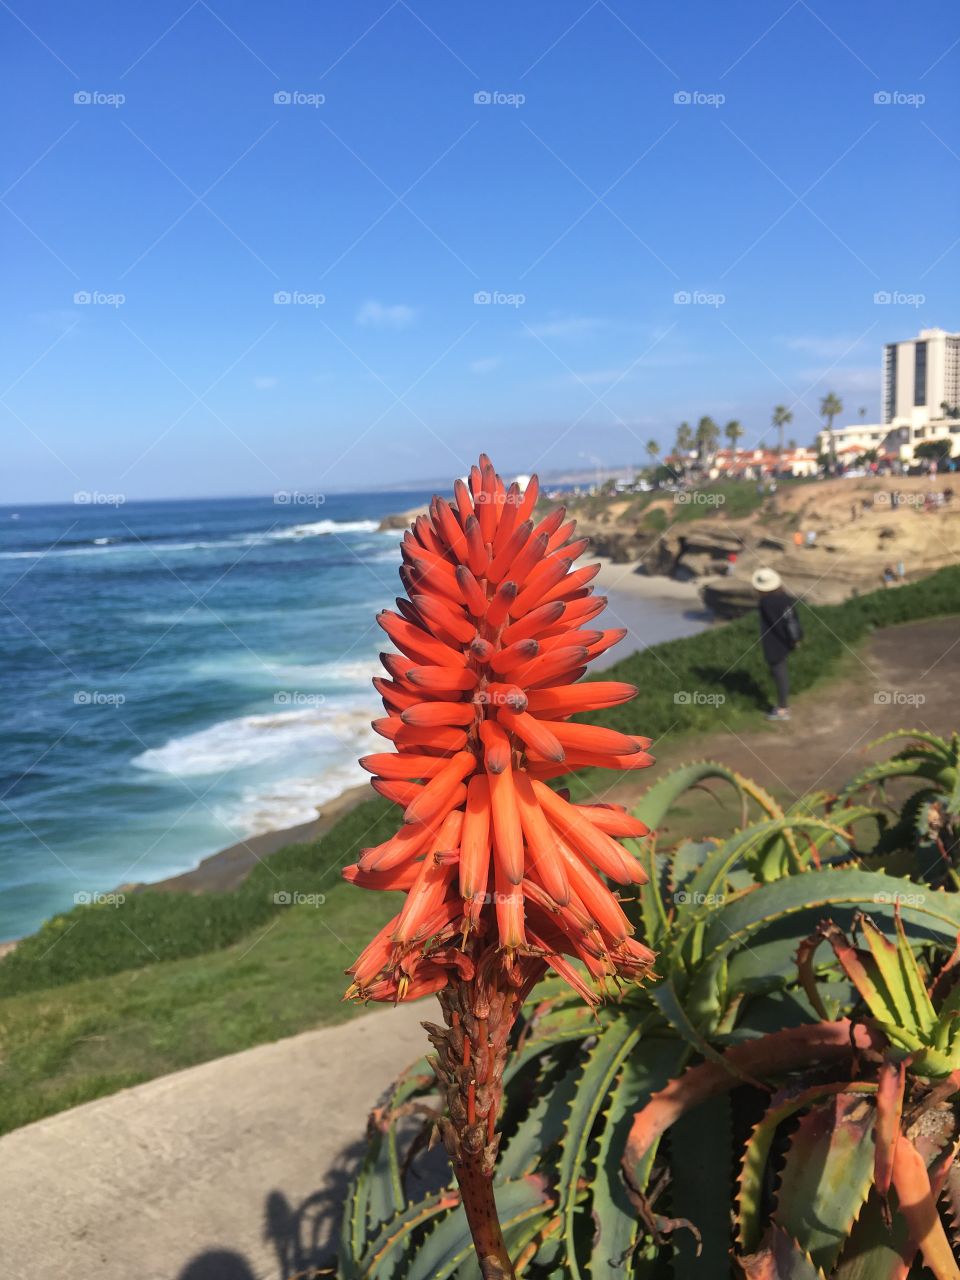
176,676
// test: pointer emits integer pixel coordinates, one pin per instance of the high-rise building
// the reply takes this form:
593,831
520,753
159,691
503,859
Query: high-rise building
920,377
919,397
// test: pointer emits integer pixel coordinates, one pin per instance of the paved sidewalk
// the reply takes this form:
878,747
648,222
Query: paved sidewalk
232,1170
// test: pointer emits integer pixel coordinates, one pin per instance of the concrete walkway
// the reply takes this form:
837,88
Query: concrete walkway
232,1170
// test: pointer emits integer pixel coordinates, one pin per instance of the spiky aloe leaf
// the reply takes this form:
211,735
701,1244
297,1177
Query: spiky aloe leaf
779,1258
601,1066
646,1070
666,791
827,1176
389,1247
935,918
376,1195
700,1186
449,1246
757,1154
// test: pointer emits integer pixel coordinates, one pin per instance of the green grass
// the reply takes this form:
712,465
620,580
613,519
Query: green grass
102,997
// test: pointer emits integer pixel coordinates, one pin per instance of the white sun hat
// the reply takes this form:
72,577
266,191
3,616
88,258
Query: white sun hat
766,580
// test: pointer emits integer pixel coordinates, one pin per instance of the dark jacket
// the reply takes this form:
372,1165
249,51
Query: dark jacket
779,629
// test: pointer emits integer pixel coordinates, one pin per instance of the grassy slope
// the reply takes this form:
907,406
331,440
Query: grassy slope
103,997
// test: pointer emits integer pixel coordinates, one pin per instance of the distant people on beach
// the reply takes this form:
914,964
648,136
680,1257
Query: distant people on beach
780,633
889,577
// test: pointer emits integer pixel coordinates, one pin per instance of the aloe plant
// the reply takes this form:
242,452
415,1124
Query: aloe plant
776,1102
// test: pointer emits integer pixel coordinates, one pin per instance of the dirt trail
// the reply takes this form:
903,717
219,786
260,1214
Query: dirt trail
905,677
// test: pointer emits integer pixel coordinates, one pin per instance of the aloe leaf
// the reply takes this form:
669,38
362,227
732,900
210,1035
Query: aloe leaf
388,1247
757,1154
519,1203
779,1258
827,1176
601,1066
665,792
376,1194
700,1178
646,1070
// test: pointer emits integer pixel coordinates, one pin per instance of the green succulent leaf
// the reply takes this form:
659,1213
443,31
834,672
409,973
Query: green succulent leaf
827,1176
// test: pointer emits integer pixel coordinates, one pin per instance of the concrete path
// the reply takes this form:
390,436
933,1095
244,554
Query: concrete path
232,1170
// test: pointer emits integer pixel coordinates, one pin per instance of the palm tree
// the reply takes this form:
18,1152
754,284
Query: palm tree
830,406
653,448
708,433
733,431
684,441
781,418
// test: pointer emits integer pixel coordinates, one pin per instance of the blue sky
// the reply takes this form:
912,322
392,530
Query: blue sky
781,197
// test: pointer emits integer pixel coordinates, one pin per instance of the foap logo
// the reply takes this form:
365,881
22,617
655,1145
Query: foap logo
98,698
293,898
695,899
898,698
494,98
496,298
297,298
698,298
896,298
696,98
895,898
697,498
897,98
899,498
91,898
296,98
514,698
94,98
294,698
297,498
93,498
96,298
698,698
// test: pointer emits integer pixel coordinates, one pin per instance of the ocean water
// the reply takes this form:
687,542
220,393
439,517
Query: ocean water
177,676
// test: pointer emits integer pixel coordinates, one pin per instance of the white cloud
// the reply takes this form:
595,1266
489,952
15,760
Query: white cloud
265,383
486,364
566,327
382,316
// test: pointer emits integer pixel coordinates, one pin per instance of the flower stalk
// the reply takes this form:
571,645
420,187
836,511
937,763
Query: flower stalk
504,877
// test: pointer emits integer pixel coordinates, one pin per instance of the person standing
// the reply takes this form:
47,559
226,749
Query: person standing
780,633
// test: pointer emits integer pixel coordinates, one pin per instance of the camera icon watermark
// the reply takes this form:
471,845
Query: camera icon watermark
294,698
897,98
497,298
699,498
298,498
91,898
897,298
494,98
98,698
698,698
94,498
293,898
94,98
297,98
96,298
696,98
898,698
698,298
298,298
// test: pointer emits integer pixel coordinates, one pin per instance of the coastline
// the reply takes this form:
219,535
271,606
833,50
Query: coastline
626,589
648,608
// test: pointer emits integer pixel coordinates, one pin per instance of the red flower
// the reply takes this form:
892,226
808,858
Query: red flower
493,637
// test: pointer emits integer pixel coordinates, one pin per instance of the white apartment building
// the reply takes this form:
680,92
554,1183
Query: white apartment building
920,386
